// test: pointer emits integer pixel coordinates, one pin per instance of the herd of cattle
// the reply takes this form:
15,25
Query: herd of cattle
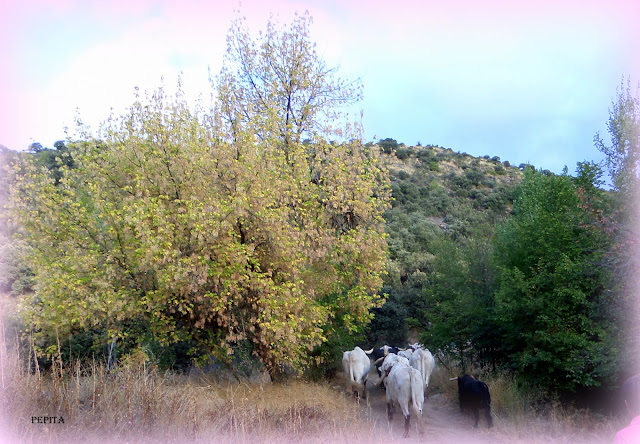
405,373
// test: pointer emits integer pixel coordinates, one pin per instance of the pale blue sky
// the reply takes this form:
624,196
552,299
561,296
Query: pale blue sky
526,81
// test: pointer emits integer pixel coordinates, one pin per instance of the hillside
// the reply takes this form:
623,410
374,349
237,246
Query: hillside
455,192
442,201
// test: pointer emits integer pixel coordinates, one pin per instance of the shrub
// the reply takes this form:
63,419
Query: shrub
402,153
388,145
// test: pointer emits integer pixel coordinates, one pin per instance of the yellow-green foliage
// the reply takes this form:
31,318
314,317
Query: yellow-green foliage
194,225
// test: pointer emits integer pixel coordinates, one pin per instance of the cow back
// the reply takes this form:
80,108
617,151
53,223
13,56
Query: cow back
473,393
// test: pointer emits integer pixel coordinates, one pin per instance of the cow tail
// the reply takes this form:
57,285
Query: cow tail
352,379
415,382
424,366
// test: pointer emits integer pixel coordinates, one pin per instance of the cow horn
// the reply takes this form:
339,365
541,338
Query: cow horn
369,352
453,379
378,360
402,349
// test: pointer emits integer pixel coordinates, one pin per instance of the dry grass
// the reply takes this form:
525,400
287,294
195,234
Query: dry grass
136,403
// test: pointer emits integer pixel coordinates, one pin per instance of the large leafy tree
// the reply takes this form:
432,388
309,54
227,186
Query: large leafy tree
551,303
216,227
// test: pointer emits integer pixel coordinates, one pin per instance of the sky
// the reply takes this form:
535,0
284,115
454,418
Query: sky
528,81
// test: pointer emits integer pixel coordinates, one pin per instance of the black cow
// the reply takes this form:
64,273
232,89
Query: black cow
474,395
378,355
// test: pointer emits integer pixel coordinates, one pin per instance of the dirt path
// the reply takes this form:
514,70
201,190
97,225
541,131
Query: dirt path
441,423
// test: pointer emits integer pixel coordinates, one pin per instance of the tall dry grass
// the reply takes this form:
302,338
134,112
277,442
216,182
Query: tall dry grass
137,403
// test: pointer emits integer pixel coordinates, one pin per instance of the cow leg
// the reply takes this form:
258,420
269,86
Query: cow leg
420,422
476,417
364,389
407,420
389,411
487,413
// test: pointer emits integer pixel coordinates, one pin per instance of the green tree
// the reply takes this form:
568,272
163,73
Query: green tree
589,181
623,155
52,159
459,302
551,302
222,229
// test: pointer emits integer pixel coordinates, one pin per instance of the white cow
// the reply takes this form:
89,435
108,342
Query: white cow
406,353
422,360
356,367
405,388
388,363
